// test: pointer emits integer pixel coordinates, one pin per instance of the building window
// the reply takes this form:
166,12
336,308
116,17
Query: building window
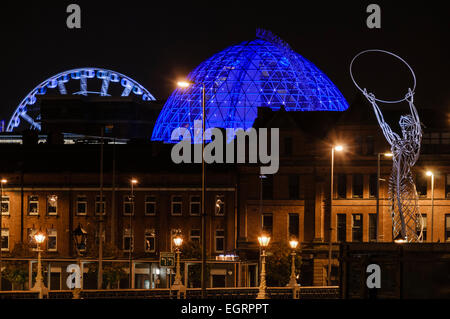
421,185
52,240
447,185
359,145
33,205
194,236
357,228
100,205
220,205
52,205
177,205
373,185
127,205
220,241
288,146
342,227
267,186
372,227
447,227
424,230
150,205
195,206
31,241
127,240
150,240
294,187
81,205
267,223
357,186
294,223
5,205
370,145
342,186
5,239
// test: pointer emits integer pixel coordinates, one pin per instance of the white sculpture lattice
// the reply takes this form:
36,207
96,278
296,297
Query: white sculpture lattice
406,219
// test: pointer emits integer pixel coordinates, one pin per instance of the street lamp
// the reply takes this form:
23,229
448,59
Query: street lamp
39,285
431,174
133,182
338,148
184,85
293,281
178,285
2,182
387,154
263,243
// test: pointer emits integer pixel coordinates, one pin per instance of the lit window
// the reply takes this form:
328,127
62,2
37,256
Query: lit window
177,205
52,205
195,206
5,239
52,240
33,205
150,238
447,227
220,205
5,205
150,205
81,205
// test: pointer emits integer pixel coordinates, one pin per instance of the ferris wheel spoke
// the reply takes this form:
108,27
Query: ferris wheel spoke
83,86
62,88
126,91
105,86
28,118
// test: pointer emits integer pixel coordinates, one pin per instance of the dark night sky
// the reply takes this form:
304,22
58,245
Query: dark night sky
155,45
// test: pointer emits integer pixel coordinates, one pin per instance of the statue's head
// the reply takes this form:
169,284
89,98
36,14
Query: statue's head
407,125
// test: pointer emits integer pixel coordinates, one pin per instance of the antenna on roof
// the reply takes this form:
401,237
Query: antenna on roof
270,37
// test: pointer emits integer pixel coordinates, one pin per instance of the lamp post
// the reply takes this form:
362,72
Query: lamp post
337,148
177,284
387,154
293,281
133,182
3,181
430,173
185,84
39,285
263,243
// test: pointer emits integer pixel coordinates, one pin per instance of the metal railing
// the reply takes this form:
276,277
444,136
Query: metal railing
324,292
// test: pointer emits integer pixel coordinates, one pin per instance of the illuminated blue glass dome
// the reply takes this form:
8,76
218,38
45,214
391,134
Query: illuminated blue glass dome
264,72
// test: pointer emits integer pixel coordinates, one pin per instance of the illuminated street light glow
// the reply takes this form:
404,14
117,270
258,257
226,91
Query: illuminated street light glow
339,148
388,154
293,243
4,181
264,241
183,84
178,241
429,173
39,238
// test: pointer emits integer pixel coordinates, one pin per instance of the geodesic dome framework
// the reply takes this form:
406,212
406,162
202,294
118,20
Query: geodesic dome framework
264,72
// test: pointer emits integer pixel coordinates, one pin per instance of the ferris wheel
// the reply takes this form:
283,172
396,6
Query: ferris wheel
102,82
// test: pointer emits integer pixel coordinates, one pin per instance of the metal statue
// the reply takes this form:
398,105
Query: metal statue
406,218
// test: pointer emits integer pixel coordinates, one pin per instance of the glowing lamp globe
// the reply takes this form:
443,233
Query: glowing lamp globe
264,241
178,241
39,238
293,243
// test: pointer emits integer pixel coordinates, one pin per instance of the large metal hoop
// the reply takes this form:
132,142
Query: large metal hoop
394,55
